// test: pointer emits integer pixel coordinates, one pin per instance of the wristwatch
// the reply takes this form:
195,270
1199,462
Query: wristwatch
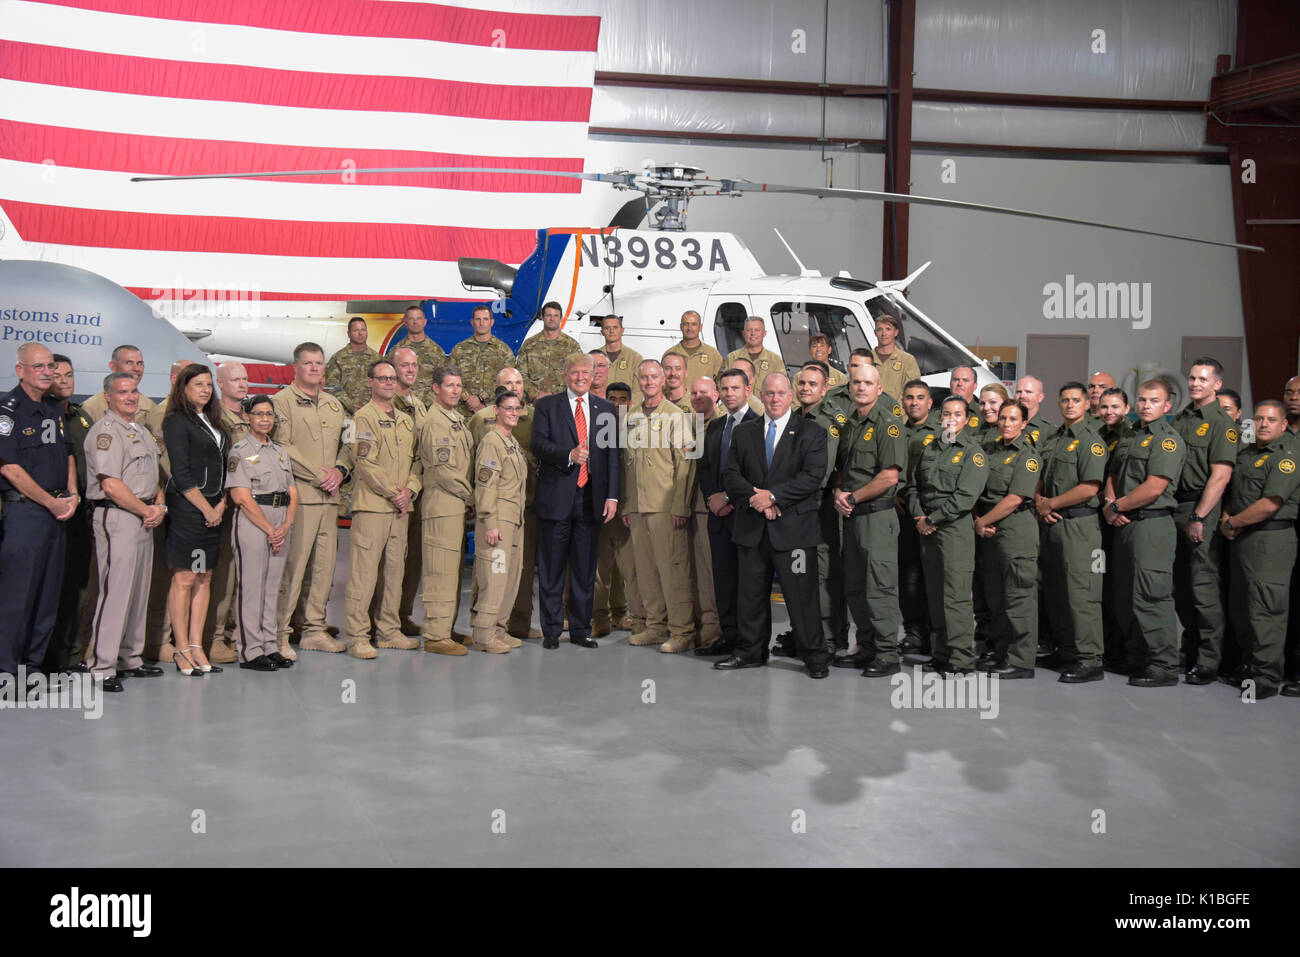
1227,523
1198,518
1114,506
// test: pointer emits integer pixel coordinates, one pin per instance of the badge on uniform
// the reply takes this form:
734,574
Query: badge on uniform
334,406
835,433
484,475
103,442
306,402
1097,449
363,448
928,439
385,423
29,431
1169,445
978,459
839,418
1145,442
1031,465
6,425
1009,459
957,458
1286,466
1260,461
233,463
898,411
974,419
762,364
1204,429
1232,435
1033,434
892,432
898,365
455,426
1072,446
869,434
444,456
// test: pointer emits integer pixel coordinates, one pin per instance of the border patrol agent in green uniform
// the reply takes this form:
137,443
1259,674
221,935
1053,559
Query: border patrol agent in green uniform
1140,504
921,428
1005,523
872,460
1114,426
1210,437
1074,467
949,480
1260,524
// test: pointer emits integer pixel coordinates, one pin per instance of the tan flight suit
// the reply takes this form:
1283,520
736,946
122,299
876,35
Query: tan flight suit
385,459
123,546
311,431
702,360
658,481
430,356
501,483
896,370
766,361
266,472
521,616
447,457
623,368
705,601
220,624
413,406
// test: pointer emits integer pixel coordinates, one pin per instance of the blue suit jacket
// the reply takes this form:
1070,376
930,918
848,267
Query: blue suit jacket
555,435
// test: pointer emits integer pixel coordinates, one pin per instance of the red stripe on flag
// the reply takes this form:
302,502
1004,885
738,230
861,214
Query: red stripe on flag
165,156
63,225
144,76
373,18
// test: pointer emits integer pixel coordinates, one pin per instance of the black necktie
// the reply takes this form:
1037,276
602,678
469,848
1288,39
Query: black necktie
726,444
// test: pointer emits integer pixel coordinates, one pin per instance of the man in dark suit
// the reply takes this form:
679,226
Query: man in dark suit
733,391
773,475
575,439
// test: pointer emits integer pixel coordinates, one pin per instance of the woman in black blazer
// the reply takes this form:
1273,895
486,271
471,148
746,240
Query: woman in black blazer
196,502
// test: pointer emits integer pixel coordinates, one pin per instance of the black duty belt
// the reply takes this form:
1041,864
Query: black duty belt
871,506
1024,506
104,503
1077,511
20,497
1142,514
1273,525
273,499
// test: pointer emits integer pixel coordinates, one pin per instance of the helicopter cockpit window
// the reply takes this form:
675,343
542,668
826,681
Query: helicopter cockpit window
932,353
796,322
729,326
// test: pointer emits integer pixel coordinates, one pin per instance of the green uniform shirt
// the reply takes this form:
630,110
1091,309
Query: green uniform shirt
1013,470
918,437
870,445
346,374
541,363
1266,473
479,363
1040,429
76,424
1210,436
949,479
1148,450
841,402
1074,454
1112,437
834,423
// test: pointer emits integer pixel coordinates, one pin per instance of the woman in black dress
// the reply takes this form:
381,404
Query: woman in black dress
196,502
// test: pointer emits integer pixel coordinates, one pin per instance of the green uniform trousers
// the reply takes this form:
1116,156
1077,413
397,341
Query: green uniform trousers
1145,590
1072,575
1009,566
948,561
1197,596
1261,596
871,583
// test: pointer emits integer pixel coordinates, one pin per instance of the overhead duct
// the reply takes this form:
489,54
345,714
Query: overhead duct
486,273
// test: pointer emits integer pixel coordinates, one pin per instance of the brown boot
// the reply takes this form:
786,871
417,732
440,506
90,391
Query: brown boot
445,646
362,649
675,646
223,652
463,638
283,647
646,638
510,640
322,642
492,645
398,641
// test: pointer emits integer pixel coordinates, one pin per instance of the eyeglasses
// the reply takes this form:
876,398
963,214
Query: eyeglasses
384,378
265,414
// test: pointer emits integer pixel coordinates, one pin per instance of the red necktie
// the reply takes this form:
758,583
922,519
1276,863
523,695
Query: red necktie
581,421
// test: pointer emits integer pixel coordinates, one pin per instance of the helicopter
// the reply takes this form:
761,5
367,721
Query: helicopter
645,267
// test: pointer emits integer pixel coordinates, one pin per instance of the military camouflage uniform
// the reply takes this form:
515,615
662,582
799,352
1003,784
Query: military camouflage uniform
541,363
345,377
479,363
431,356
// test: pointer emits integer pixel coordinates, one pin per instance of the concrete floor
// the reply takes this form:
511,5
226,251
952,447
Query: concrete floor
438,756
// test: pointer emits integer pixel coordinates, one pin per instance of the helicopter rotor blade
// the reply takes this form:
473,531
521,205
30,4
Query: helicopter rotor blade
616,178
744,186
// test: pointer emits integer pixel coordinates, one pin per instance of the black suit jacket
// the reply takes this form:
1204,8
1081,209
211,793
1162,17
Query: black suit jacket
708,469
795,478
555,435
196,460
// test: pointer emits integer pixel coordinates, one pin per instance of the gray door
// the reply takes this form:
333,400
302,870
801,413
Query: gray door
1056,360
1227,349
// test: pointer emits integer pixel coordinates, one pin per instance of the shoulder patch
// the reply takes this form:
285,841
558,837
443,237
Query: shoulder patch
892,431
1097,449
485,474
363,447
232,463
1232,435
6,425
1169,445
104,441
978,459
1286,466
1031,465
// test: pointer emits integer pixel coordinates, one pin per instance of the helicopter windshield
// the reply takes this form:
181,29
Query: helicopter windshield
932,354
796,322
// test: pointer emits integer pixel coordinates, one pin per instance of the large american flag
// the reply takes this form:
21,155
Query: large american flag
95,91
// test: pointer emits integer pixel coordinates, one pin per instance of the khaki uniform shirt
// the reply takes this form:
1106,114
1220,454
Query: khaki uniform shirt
502,476
896,369
413,406
702,360
386,458
765,362
657,475
447,458
483,421
235,426
541,363
346,374
260,468
96,407
312,432
623,369
124,451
